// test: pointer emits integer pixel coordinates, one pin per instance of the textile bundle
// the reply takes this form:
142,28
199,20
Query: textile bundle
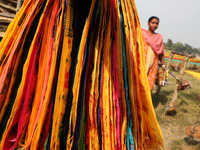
74,77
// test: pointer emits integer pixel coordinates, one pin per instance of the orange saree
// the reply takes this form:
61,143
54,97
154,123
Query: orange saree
153,47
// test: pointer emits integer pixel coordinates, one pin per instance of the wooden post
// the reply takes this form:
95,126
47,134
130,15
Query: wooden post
180,78
195,66
188,65
178,82
19,4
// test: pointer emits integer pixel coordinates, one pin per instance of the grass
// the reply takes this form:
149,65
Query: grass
187,110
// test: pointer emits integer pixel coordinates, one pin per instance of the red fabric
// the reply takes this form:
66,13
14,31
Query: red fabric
155,41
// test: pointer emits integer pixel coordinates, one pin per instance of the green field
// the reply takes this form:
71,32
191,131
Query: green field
187,110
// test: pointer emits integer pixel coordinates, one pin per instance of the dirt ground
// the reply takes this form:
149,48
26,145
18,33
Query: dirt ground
187,112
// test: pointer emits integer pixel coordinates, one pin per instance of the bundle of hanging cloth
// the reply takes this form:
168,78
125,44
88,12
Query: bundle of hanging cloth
73,76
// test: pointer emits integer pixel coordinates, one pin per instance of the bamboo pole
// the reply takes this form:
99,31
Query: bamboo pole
178,82
19,4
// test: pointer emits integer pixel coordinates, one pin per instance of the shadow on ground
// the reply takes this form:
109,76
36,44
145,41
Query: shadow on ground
191,141
160,98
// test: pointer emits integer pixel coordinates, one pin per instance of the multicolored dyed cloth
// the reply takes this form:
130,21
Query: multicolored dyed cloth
74,77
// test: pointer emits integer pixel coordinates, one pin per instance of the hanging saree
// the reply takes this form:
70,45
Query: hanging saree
74,78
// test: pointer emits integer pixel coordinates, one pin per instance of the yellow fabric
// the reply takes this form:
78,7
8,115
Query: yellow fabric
121,82
130,74
10,48
142,95
152,126
149,60
110,80
51,57
194,74
63,78
13,29
77,77
94,95
17,99
39,87
105,104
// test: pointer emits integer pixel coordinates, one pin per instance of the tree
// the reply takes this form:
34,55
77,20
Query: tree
188,48
179,47
169,44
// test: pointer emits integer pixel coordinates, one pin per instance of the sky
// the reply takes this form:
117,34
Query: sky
179,19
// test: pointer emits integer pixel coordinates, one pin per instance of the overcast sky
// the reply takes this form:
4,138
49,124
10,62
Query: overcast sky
179,19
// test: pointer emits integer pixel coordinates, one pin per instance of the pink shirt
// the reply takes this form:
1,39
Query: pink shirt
155,41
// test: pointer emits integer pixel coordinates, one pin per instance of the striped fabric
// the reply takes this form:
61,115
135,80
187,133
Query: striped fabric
73,76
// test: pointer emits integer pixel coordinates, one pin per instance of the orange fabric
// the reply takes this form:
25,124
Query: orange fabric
106,96
63,78
77,78
33,10
121,82
117,107
153,70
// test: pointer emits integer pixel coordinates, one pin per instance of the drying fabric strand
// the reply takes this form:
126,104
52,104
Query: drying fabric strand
73,76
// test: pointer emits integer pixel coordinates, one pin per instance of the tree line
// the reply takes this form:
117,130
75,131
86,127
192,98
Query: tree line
180,47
